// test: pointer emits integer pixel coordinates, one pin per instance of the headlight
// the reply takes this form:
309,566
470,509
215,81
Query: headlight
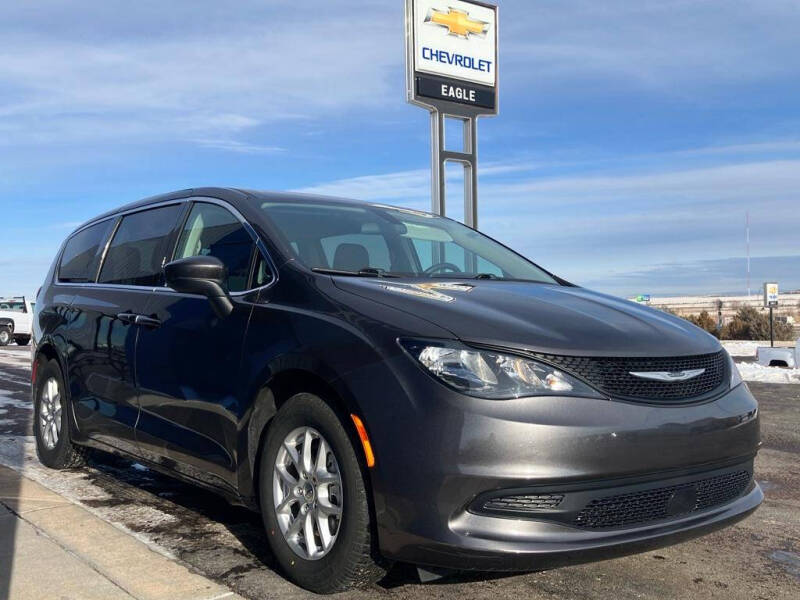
494,375
736,376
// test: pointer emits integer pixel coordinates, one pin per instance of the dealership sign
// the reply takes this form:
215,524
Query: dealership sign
452,55
771,295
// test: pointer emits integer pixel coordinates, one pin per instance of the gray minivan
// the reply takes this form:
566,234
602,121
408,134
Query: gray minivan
385,385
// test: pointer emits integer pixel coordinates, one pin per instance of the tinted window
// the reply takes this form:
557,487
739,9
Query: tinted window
81,255
212,230
137,252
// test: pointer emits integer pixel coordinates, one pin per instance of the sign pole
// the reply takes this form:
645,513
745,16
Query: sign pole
438,183
771,328
468,158
471,173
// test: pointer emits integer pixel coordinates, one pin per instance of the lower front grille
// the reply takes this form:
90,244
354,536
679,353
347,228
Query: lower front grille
663,503
528,503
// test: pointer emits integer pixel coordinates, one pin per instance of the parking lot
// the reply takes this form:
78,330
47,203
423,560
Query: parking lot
757,558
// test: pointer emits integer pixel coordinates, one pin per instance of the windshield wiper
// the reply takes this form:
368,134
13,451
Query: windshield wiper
465,276
368,272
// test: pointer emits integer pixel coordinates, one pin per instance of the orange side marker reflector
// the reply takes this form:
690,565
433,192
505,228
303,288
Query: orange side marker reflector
362,434
33,372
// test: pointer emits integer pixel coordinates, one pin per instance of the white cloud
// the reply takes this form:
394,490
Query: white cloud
762,180
751,181
677,47
60,87
407,186
113,71
768,147
239,147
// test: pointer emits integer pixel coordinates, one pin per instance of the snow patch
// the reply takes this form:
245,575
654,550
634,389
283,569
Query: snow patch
747,349
742,349
761,374
12,378
19,360
7,400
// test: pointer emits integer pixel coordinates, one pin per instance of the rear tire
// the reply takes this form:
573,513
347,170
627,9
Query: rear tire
6,336
54,446
350,561
22,340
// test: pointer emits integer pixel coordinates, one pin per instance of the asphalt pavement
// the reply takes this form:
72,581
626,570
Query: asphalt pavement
758,558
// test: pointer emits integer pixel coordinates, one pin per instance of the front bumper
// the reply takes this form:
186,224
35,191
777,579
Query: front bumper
488,543
439,452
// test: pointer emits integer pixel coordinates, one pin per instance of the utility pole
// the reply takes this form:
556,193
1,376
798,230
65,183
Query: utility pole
747,235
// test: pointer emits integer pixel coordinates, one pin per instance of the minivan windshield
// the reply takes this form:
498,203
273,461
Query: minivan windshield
383,241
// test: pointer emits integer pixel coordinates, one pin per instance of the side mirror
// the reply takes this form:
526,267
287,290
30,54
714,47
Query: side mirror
202,275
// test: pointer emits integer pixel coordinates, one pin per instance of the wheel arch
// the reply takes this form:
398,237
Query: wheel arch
269,399
275,393
47,350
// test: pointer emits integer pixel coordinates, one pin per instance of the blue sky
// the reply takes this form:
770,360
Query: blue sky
632,139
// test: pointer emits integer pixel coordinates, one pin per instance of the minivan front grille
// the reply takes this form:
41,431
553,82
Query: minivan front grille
663,503
613,375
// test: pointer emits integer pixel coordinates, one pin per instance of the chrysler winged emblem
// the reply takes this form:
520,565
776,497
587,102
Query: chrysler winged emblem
669,376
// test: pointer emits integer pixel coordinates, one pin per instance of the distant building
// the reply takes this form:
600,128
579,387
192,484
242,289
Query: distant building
788,310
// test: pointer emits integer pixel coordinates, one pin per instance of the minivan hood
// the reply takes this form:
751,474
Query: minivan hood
545,318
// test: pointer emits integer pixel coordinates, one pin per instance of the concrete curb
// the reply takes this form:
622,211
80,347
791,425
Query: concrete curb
55,546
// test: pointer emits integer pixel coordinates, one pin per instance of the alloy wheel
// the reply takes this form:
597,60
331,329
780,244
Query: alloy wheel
307,491
50,413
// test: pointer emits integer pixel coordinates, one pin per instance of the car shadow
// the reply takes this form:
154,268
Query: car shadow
192,533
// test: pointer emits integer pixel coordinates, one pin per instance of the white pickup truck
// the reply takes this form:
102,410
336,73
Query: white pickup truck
16,320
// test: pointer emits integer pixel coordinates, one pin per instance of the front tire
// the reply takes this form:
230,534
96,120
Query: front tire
314,500
22,340
6,335
50,424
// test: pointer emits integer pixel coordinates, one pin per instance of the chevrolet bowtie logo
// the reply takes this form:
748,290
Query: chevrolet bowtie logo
457,22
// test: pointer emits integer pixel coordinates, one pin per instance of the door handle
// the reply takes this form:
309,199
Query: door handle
128,318
149,322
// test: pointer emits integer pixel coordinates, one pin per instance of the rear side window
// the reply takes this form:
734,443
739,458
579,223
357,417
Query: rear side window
212,230
81,255
137,253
